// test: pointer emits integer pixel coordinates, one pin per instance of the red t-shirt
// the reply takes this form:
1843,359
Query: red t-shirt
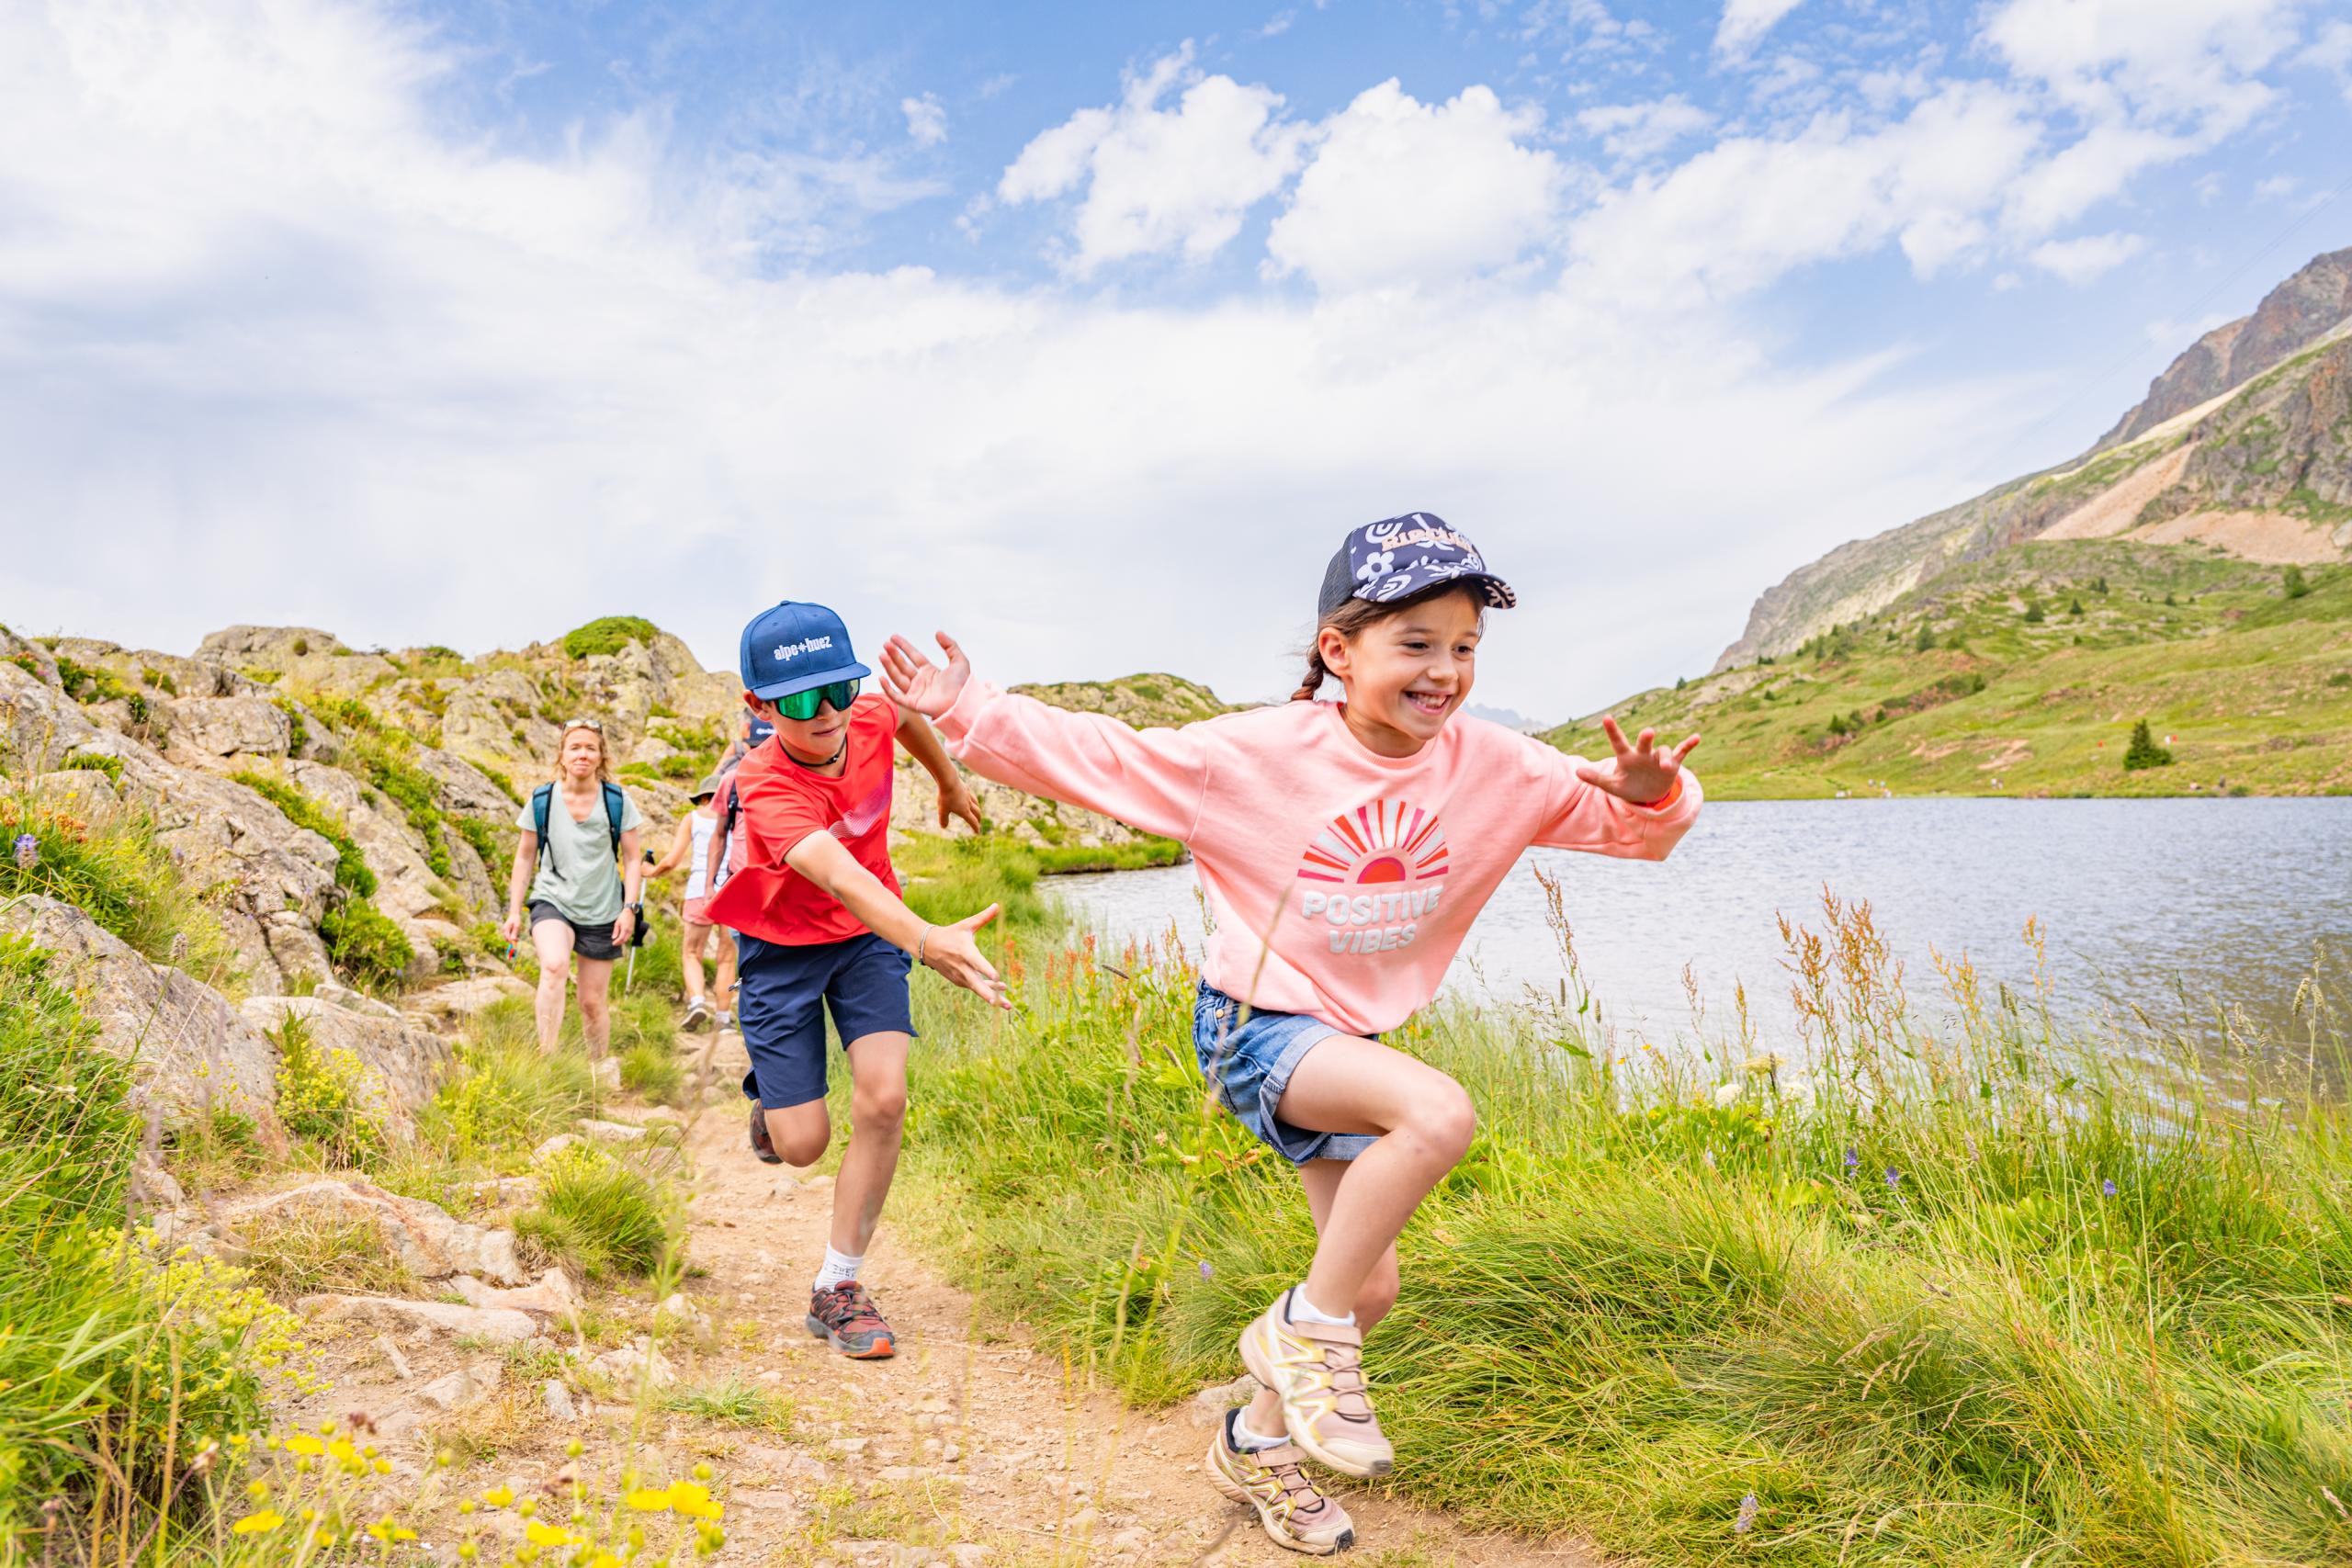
782,803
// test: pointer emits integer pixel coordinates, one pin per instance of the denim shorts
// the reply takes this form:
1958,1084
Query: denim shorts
1249,1057
786,992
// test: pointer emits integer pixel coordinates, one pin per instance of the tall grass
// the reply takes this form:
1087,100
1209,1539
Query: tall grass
1956,1290
105,861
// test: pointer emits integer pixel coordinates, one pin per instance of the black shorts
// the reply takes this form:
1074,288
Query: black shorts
588,941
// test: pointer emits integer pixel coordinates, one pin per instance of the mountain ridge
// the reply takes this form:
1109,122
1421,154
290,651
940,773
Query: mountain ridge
2244,441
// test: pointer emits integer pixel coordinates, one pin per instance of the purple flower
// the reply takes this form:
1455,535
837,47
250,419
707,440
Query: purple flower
1746,1520
1853,1158
2107,1187
1894,1178
1206,1270
27,852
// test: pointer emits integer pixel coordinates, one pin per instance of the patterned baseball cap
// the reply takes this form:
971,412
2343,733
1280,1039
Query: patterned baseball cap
1401,556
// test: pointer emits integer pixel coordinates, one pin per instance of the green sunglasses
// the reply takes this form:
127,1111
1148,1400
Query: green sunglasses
803,704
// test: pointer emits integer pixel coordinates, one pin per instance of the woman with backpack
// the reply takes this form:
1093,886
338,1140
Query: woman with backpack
576,882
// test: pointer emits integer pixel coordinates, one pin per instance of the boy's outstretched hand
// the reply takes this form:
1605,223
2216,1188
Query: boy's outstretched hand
914,682
1639,772
953,952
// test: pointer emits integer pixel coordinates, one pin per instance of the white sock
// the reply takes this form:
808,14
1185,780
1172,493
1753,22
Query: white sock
1248,1441
1304,1311
838,1266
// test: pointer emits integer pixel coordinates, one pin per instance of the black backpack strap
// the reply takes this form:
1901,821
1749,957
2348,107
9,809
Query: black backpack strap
613,805
542,798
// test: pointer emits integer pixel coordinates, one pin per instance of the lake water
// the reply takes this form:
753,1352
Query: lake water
2229,902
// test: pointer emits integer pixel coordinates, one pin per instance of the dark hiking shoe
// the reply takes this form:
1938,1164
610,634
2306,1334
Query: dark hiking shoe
845,1317
760,1143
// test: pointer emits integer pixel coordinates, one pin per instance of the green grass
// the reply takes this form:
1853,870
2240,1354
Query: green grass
654,1072
735,1402
103,1347
601,1213
367,945
109,865
1895,1298
2238,669
351,872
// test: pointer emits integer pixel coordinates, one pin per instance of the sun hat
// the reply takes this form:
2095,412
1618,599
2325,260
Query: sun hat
705,790
1398,556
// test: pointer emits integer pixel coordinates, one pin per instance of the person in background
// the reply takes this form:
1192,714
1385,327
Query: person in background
689,848
575,883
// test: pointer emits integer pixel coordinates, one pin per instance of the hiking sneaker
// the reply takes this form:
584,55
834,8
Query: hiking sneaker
698,1016
845,1317
761,1143
1317,1369
1294,1514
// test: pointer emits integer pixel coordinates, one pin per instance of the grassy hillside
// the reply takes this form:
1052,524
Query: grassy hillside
1141,700
2024,674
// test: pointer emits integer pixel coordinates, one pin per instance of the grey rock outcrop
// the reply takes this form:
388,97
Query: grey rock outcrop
190,1049
405,1063
423,1236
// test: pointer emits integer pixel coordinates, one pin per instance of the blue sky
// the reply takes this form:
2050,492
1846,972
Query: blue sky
1085,331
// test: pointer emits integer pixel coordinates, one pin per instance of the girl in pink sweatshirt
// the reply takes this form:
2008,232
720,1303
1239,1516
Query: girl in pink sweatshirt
1344,850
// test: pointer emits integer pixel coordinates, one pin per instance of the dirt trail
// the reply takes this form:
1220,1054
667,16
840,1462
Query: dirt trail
1042,1467
968,1450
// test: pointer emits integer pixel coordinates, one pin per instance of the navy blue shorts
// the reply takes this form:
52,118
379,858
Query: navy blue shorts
784,994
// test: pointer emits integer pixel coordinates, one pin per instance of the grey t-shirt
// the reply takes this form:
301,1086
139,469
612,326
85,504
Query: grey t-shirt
580,874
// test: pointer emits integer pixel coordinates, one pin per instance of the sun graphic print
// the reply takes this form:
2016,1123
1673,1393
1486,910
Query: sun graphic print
1373,875
1386,841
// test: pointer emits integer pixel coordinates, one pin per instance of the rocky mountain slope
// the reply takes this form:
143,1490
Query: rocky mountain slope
300,780
2245,443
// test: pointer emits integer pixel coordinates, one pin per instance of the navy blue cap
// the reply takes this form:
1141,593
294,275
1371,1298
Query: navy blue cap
760,729
794,647
1398,556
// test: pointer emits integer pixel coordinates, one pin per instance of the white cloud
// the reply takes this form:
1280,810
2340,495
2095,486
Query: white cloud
2078,261
1632,132
1745,22
926,119
1747,210
1402,191
1160,179
2188,60
274,345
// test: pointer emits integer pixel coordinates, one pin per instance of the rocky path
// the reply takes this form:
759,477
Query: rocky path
966,1449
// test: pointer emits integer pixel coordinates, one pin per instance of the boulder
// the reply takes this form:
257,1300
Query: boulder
610,1132
496,1326
466,1386
460,1000
218,732
191,1050
634,1361
83,790
407,1062
353,1001
425,1239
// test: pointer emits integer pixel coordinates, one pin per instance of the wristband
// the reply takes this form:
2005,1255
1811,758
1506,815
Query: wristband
920,942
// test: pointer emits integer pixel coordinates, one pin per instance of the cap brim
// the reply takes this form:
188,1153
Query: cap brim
775,689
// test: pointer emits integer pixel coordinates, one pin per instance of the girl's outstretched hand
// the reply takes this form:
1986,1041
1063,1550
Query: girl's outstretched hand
1639,772
913,682
953,952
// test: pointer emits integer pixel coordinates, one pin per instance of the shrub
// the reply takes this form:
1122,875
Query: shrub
599,1212
2074,608
327,1097
484,840
2143,751
608,634
2035,614
298,732
351,872
159,679
87,683
2294,584
95,763
367,945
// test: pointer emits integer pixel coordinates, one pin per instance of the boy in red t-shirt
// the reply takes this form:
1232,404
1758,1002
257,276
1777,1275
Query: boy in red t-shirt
820,928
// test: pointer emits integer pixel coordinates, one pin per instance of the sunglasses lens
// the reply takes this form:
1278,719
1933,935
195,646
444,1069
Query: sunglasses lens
803,704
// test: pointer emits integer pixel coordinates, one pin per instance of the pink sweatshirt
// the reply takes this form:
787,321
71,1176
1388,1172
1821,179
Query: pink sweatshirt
1340,881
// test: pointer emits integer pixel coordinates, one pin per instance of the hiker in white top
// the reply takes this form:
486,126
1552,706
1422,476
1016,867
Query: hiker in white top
579,898
691,849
